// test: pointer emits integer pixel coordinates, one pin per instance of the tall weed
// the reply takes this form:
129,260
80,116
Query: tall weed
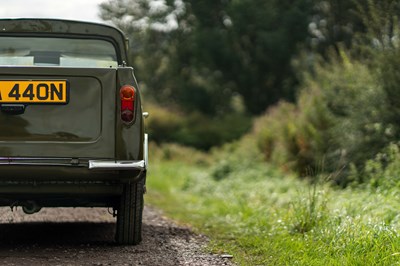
309,208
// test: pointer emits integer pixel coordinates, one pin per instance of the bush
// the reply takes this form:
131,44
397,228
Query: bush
353,97
276,135
338,120
175,152
383,171
194,129
162,123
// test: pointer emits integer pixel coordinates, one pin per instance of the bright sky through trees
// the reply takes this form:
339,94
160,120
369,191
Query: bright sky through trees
73,9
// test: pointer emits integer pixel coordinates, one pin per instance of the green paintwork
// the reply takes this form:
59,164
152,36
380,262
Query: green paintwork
88,127
79,129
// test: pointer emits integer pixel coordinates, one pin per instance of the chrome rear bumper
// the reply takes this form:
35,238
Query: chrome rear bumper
140,165
117,165
123,165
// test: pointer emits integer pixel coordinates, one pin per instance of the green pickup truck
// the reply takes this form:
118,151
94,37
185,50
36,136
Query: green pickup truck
71,121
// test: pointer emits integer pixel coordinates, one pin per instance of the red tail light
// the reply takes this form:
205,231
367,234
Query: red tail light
127,95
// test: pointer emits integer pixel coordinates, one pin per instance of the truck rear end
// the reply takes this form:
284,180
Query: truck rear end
71,124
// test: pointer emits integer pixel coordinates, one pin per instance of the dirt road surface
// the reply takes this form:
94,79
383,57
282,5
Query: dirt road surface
80,236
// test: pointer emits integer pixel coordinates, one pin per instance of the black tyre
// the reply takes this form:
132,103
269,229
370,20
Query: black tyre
129,214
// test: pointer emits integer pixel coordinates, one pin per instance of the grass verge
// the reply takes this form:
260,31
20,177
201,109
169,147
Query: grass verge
263,217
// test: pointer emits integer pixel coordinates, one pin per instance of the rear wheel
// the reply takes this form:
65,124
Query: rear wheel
129,214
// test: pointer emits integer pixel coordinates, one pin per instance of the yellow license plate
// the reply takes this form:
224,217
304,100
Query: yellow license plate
34,91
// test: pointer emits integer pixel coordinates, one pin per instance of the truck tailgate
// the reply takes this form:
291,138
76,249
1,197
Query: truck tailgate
82,128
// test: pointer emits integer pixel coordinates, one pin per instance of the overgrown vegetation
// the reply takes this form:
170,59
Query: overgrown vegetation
208,66
347,109
327,74
194,129
265,217
338,120
346,113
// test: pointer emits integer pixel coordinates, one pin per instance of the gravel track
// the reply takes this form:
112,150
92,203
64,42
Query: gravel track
85,236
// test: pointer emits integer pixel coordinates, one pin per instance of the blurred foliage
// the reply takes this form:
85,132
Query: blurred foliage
357,25
194,129
341,117
326,71
199,54
381,172
347,110
345,115
175,152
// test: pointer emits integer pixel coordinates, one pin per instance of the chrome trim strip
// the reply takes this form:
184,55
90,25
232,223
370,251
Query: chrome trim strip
25,161
146,150
117,165
33,159
92,164
38,164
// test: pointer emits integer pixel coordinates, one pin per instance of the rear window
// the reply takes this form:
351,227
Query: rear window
63,52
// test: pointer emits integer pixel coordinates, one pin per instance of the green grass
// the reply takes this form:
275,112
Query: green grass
263,217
